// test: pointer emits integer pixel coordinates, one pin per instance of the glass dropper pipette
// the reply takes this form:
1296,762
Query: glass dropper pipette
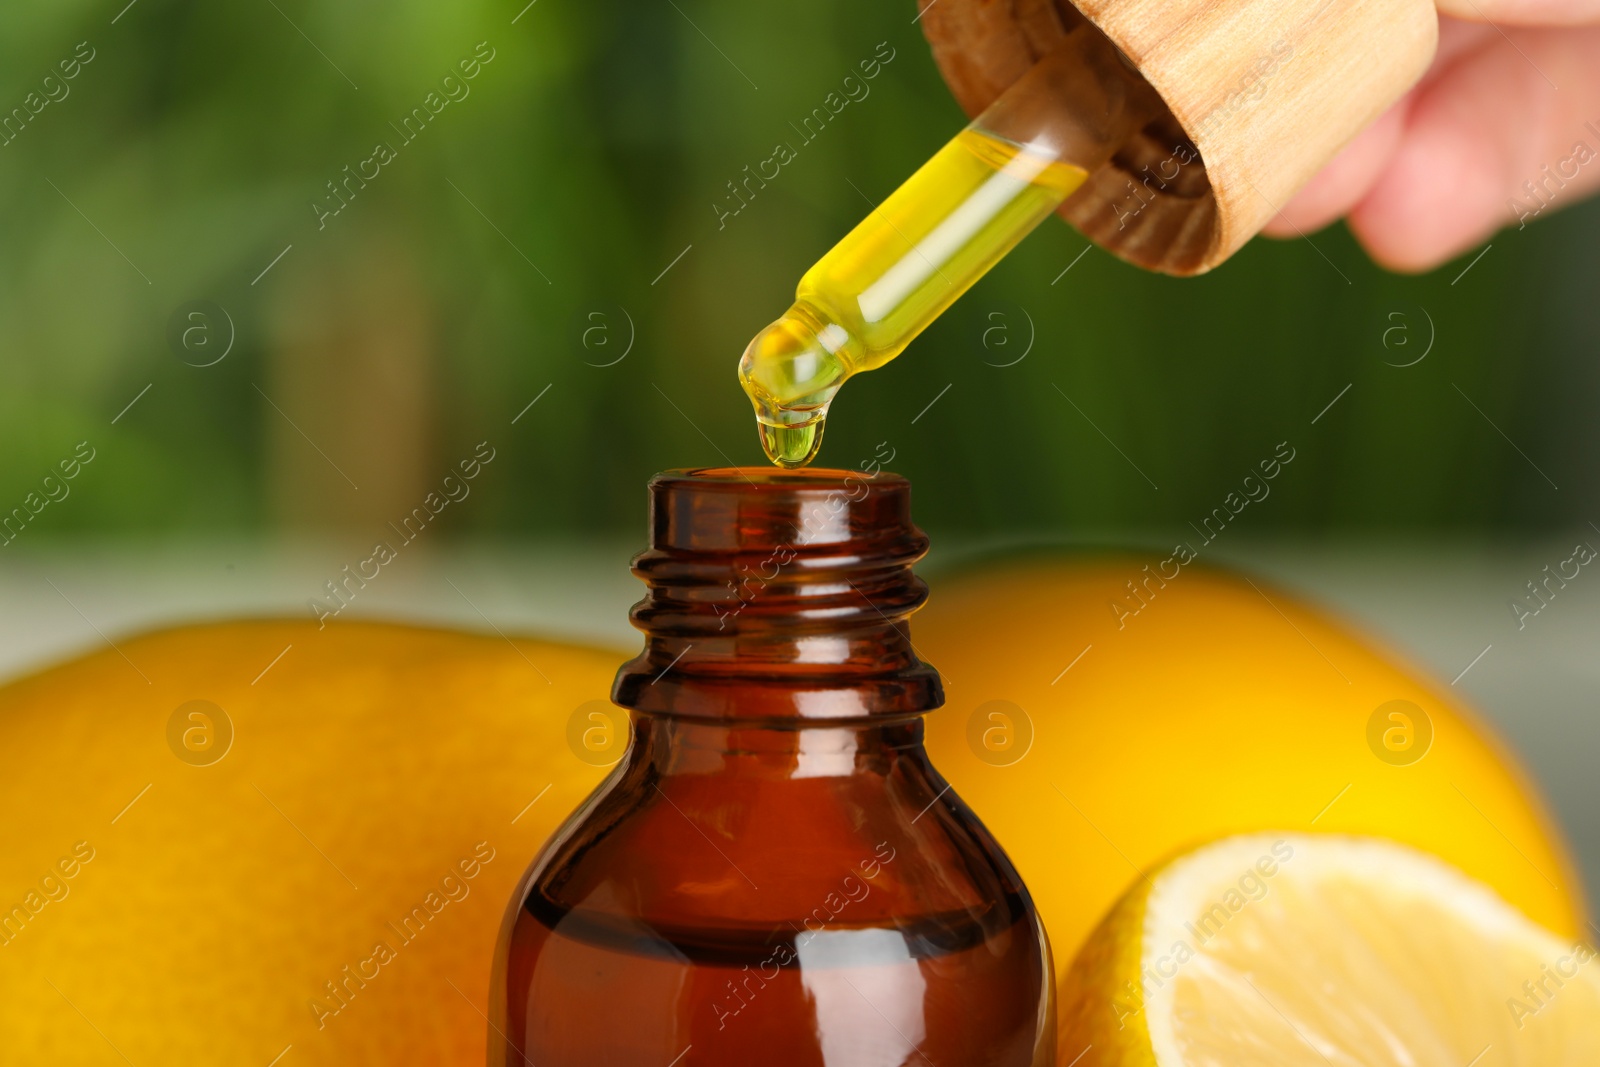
937,234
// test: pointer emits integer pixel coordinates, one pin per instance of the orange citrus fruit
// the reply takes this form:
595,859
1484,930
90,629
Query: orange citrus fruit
206,862
1094,743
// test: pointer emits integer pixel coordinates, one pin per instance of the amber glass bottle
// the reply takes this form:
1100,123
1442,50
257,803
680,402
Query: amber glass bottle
774,873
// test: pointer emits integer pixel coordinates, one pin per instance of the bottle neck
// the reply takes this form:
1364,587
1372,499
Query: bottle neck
671,747
779,596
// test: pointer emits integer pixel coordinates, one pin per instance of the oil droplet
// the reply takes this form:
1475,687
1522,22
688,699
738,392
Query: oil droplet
791,446
861,304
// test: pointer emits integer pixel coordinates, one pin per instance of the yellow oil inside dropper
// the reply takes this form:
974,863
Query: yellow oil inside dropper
861,304
891,276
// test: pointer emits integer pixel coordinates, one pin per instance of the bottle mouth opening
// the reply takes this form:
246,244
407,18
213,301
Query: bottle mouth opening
757,478
755,510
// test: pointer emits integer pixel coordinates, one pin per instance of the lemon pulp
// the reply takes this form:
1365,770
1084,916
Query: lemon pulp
1309,951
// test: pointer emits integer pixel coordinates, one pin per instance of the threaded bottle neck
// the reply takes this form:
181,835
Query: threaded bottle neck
779,595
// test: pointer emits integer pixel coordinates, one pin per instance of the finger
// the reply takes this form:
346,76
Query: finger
1345,181
1457,39
1489,123
1523,12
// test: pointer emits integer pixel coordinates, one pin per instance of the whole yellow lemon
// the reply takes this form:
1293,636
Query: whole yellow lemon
260,843
1096,728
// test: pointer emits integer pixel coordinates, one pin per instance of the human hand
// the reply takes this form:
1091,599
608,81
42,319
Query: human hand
1514,90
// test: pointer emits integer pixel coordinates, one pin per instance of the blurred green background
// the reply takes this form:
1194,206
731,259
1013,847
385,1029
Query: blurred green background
573,190
553,238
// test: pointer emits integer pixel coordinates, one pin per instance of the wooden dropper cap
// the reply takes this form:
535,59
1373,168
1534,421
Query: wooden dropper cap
1267,91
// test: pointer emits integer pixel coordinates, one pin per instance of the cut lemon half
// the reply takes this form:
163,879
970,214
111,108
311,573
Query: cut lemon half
1292,950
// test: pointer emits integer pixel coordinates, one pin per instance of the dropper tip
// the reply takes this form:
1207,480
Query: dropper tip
791,447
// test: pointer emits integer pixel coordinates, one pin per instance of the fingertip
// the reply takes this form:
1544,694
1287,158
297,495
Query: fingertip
1438,197
1342,184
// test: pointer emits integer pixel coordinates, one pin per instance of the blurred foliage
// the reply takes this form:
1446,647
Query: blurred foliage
578,177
